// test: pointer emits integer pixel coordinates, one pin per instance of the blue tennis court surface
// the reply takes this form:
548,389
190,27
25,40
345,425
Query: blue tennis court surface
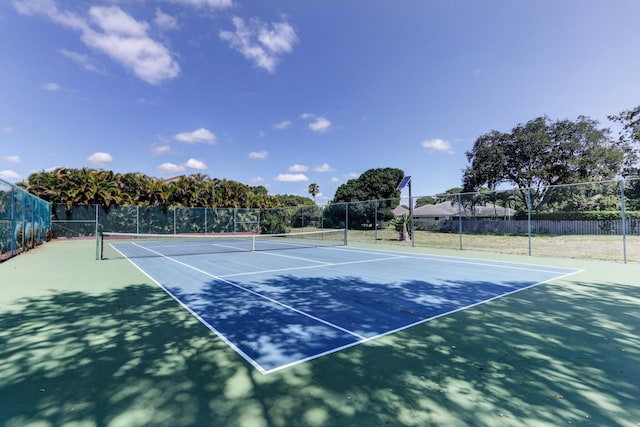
280,308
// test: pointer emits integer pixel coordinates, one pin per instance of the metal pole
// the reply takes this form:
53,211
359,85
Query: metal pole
460,220
624,222
97,234
411,214
346,223
13,221
529,217
376,222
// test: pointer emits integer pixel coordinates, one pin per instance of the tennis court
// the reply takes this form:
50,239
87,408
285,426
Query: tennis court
357,335
285,299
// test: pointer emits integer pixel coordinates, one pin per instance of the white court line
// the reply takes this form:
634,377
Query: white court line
162,245
292,257
197,316
393,331
307,267
258,294
508,265
361,339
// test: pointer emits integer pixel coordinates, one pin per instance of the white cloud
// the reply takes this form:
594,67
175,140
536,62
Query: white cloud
165,21
160,149
197,136
12,159
214,4
81,59
317,123
113,32
258,155
173,168
334,179
100,158
288,177
170,168
438,145
257,180
323,168
261,43
352,175
298,168
320,125
196,164
9,175
282,125
7,129
51,87
126,41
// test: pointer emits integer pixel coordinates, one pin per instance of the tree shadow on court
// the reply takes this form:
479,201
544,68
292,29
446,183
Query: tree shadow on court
266,329
553,354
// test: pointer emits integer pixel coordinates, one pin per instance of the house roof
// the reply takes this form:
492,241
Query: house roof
400,210
445,209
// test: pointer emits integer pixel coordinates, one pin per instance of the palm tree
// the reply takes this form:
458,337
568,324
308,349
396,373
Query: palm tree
401,223
313,189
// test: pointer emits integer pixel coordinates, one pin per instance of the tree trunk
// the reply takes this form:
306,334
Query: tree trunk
404,235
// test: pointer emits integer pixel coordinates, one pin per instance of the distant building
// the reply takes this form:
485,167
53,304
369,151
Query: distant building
429,216
400,210
449,210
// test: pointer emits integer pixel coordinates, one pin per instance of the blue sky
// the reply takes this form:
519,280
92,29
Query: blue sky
288,93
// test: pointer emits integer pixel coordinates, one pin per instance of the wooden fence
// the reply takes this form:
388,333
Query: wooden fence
556,227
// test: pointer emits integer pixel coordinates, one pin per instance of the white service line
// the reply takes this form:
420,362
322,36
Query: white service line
507,265
301,312
307,267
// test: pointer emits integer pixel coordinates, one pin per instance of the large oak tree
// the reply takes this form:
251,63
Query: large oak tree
374,184
543,153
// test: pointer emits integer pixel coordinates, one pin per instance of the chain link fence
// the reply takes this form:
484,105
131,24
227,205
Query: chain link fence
589,221
24,220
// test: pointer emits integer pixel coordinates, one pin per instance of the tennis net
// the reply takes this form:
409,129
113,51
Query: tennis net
132,245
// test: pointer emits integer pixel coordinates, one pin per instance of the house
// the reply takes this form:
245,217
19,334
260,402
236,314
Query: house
428,216
448,210
400,210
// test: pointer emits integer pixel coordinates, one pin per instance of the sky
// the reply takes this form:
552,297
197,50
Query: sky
286,93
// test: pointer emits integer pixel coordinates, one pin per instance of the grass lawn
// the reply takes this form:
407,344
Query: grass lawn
600,247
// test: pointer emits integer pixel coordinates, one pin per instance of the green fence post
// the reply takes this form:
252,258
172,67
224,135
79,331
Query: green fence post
529,208
12,231
624,222
460,210
346,223
97,234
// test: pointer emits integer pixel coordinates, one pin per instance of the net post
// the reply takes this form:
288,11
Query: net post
99,246
98,252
